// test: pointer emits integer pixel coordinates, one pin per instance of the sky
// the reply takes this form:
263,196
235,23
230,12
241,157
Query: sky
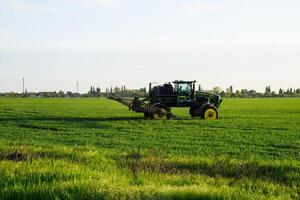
53,44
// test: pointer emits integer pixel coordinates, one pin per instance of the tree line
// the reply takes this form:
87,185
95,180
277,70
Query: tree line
245,93
120,91
123,91
92,92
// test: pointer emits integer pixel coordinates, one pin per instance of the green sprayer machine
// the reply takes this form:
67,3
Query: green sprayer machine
162,98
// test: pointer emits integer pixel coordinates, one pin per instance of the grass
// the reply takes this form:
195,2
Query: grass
97,149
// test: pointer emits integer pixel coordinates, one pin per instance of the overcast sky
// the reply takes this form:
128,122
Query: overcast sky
53,44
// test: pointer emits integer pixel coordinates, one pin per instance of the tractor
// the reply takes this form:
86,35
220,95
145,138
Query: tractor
162,98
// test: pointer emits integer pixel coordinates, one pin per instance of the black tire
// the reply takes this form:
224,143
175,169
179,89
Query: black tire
151,116
147,115
169,115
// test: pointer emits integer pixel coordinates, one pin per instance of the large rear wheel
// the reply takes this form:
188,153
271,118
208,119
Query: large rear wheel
210,113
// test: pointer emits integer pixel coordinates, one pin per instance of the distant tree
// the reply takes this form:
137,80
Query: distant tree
234,95
98,91
244,92
61,93
288,91
273,94
231,89
268,90
251,93
92,92
223,93
69,94
217,89
199,88
238,93
117,90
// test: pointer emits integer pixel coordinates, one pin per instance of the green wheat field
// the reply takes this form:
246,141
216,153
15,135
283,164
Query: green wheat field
97,149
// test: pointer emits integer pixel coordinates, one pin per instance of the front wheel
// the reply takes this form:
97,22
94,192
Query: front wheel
210,113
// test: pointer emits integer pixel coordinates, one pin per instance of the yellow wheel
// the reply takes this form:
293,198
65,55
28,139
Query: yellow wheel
210,113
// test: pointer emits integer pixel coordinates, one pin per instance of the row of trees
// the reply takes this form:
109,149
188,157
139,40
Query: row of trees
93,92
244,93
142,92
120,91
54,94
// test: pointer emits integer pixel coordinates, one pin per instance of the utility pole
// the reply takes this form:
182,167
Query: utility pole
23,86
77,85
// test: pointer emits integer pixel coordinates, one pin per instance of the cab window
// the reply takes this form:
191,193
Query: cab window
183,87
